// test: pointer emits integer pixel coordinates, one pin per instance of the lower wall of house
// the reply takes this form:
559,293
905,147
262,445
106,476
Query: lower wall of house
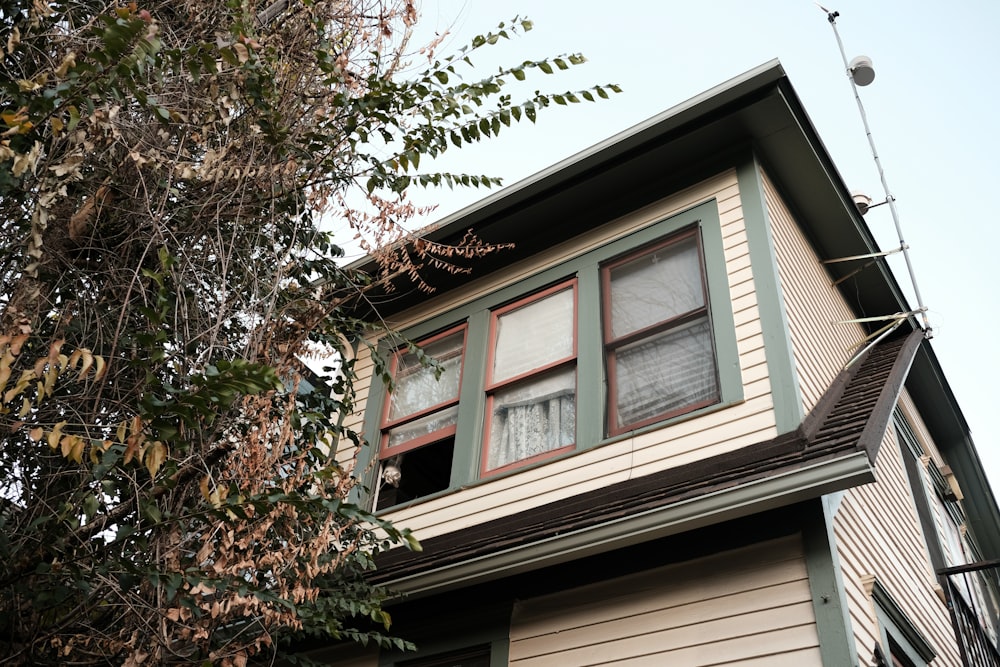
736,593
879,536
749,606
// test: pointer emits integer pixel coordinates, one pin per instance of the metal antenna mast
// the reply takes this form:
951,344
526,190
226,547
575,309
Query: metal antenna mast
860,73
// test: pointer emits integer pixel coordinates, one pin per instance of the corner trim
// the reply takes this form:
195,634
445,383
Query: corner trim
788,412
826,586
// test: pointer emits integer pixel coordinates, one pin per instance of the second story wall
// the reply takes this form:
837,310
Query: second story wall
742,417
814,308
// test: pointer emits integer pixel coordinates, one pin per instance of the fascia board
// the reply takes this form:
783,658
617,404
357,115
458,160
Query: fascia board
750,498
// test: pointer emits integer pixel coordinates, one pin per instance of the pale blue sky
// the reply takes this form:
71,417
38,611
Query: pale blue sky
931,109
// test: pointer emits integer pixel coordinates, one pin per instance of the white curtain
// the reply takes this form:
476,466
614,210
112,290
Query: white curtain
656,287
533,418
418,387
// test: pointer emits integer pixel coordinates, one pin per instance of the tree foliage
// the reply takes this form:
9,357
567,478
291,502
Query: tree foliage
170,483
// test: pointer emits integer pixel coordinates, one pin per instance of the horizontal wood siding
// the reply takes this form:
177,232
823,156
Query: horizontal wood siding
749,606
713,433
813,307
879,535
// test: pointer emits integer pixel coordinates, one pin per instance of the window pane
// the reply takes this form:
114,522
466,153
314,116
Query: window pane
665,372
656,287
424,426
534,335
416,386
532,418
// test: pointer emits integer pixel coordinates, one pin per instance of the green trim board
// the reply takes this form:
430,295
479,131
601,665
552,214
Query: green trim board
788,411
591,379
911,453
829,598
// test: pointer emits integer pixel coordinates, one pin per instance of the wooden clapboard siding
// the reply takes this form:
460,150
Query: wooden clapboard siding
715,432
746,606
879,535
813,307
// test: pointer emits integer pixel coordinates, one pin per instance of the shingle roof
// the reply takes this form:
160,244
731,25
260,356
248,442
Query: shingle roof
851,417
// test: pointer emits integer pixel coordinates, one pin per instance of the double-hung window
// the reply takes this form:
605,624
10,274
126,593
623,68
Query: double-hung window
531,381
622,337
418,427
657,334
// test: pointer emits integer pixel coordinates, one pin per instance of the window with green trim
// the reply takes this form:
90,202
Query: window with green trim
625,337
420,417
531,379
657,334
901,643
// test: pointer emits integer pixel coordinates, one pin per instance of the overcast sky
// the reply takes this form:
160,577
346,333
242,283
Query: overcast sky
932,110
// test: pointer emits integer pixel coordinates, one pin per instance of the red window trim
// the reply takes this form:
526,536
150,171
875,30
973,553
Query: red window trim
612,344
385,451
551,367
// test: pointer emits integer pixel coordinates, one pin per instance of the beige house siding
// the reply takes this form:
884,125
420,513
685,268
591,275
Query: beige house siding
749,606
813,307
879,535
712,433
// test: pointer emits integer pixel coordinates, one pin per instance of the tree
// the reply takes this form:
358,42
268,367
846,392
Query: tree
173,481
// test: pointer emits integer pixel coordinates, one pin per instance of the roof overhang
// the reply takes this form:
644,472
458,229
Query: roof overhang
757,111
753,497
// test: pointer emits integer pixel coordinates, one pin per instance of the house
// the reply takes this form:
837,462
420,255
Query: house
664,432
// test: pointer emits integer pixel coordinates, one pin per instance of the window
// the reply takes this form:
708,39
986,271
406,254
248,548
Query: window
657,334
418,428
477,657
901,643
622,337
531,381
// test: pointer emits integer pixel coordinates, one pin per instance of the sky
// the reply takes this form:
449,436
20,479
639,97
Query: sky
931,109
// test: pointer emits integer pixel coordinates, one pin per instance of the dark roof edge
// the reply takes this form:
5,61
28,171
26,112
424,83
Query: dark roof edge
871,437
951,433
761,494
564,170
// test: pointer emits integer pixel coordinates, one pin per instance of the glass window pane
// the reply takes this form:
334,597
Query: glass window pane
534,335
424,426
416,386
665,372
655,287
532,418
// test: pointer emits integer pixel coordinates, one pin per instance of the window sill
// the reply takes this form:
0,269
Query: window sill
564,454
